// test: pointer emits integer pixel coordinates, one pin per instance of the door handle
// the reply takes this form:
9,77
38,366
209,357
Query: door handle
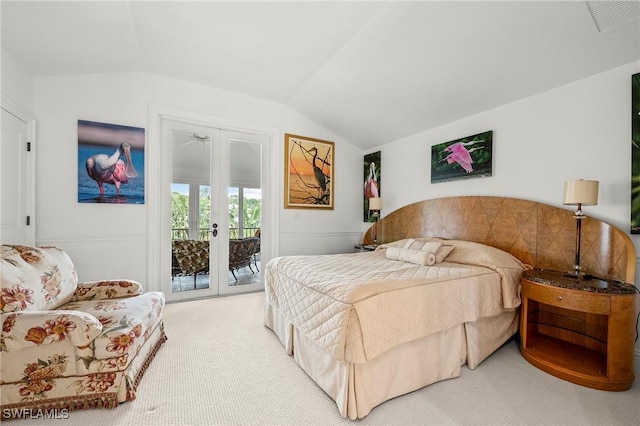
214,229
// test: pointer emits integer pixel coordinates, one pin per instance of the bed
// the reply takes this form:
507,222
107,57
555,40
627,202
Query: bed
440,292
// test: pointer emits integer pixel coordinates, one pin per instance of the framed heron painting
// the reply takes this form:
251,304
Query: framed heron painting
308,173
469,157
110,163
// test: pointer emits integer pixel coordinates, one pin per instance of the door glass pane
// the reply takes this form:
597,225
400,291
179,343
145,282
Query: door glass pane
234,212
252,208
179,211
245,212
191,211
204,212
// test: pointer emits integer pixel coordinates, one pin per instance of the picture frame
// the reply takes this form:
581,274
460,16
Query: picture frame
372,177
110,163
635,154
308,173
464,158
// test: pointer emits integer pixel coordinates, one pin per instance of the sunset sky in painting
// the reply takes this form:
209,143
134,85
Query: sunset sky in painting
303,162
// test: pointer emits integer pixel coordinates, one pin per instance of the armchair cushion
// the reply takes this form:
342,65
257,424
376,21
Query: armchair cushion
111,289
36,278
123,321
31,328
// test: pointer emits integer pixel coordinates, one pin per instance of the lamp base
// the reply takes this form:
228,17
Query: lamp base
578,275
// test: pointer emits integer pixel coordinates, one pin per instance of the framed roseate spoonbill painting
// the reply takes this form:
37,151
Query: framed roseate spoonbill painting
372,181
465,158
308,173
110,163
635,154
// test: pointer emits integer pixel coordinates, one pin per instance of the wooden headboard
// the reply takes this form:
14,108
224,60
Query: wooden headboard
538,234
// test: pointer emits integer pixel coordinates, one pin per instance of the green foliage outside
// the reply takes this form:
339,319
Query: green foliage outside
252,213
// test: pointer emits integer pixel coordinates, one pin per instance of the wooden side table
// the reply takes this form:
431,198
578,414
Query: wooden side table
579,330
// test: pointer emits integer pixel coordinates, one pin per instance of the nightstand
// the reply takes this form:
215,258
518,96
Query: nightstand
363,247
581,330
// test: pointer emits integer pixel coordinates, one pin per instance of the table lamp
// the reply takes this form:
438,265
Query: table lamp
375,205
579,193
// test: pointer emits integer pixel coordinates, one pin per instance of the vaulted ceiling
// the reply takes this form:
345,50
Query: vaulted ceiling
370,72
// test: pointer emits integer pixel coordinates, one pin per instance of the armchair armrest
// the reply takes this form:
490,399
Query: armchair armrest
109,289
33,328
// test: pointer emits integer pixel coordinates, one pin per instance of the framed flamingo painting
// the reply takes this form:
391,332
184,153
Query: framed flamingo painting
110,163
372,182
465,158
308,173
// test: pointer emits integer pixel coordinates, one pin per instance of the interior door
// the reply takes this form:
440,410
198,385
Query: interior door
17,182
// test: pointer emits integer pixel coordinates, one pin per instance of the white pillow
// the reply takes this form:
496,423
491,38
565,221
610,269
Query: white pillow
417,257
442,252
413,244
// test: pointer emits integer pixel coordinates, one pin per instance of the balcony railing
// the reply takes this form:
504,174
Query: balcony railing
203,233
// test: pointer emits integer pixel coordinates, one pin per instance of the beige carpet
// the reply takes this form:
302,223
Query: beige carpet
222,366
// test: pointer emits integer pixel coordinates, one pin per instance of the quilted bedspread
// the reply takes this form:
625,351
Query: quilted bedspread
358,305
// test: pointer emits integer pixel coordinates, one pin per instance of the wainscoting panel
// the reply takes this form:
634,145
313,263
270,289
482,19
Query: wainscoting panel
294,243
115,257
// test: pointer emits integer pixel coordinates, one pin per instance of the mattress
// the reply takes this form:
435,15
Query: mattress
358,306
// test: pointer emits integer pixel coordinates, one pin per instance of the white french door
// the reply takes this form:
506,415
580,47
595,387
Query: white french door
244,194
194,247
215,192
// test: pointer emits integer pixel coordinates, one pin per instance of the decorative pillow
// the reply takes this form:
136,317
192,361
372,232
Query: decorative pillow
429,245
472,253
426,244
417,257
442,252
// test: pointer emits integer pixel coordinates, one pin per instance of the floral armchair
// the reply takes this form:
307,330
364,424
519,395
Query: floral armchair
70,345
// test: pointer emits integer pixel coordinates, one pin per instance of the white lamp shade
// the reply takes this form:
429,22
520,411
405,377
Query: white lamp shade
375,203
581,191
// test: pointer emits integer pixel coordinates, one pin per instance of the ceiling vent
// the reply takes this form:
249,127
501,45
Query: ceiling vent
608,14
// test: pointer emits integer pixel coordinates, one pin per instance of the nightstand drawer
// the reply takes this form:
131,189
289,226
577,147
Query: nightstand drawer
567,299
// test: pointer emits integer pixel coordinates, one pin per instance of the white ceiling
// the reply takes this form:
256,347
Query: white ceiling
370,72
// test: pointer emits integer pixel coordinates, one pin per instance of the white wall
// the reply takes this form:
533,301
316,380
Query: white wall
16,82
109,241
581,130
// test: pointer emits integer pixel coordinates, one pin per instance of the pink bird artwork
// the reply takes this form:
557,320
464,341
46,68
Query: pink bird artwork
458,153
371,183
111,169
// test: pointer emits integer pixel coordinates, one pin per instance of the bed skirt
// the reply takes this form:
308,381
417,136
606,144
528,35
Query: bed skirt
358,388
